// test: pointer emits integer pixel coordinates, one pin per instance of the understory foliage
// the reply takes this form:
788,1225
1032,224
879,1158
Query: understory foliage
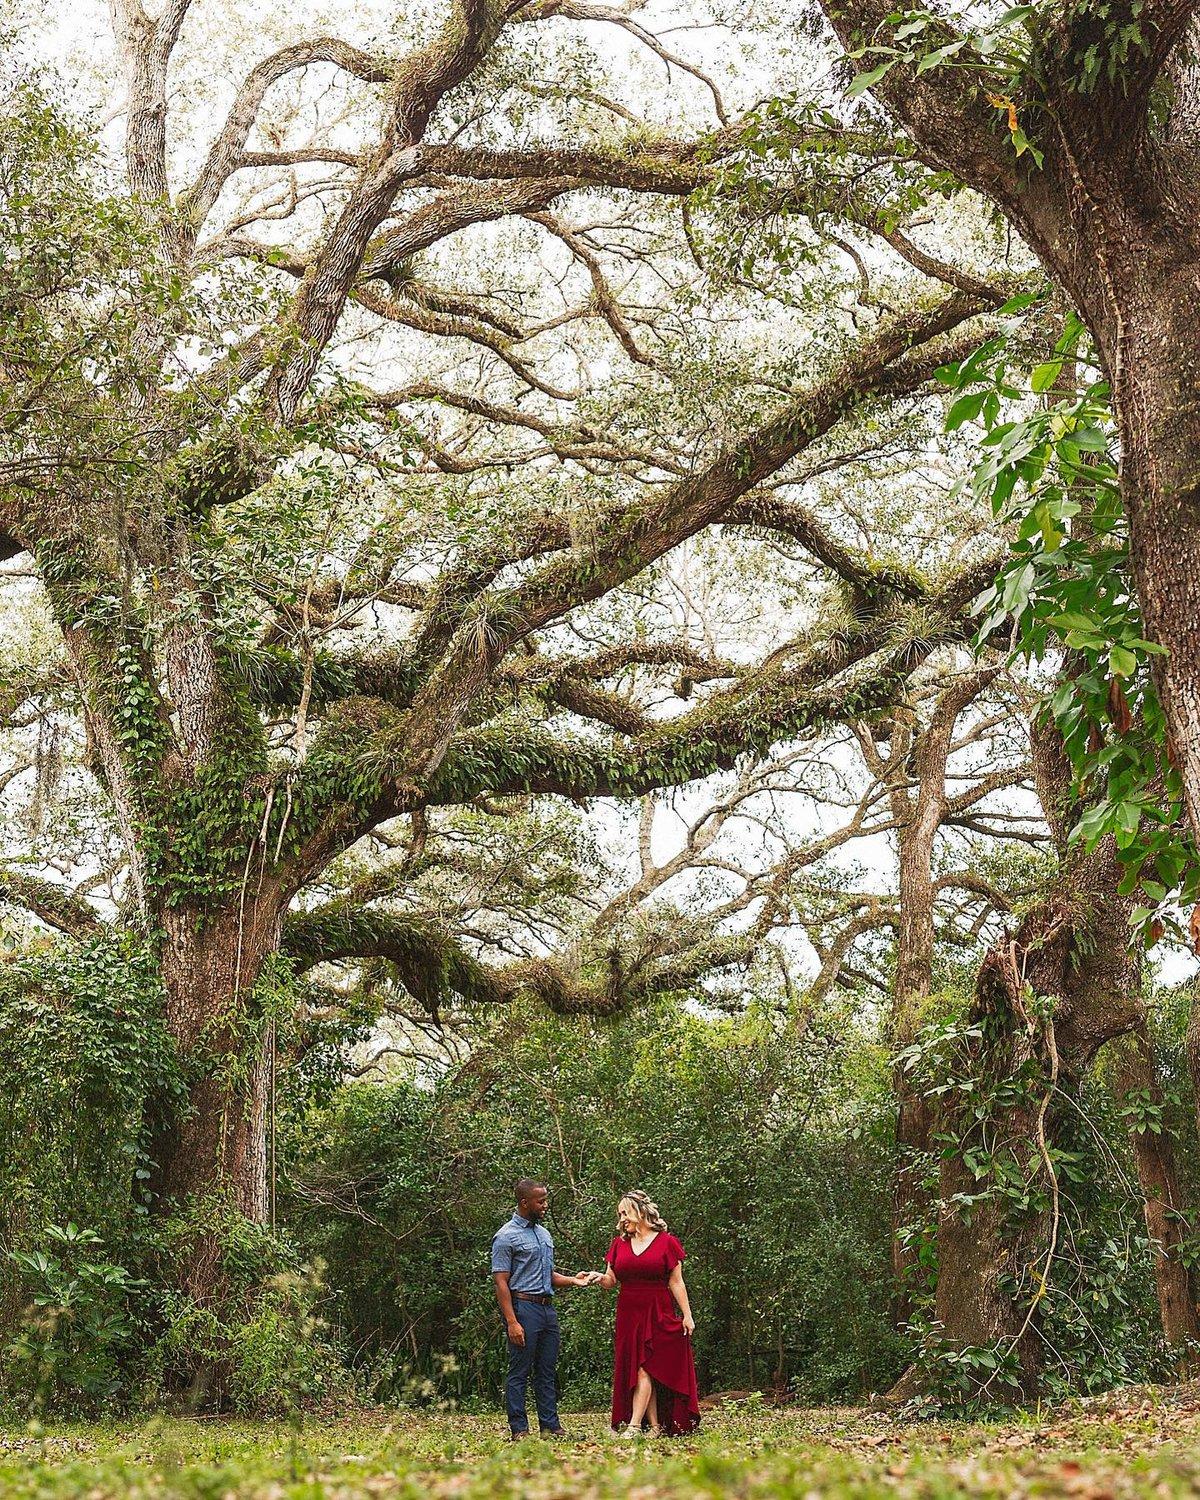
90,1314
764,1141
766,1137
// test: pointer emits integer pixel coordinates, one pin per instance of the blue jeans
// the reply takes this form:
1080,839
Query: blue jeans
538,1358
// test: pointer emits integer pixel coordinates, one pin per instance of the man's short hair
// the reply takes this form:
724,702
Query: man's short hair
525,1187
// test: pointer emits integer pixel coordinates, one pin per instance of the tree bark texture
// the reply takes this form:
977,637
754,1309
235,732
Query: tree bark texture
1073,951
1136,1073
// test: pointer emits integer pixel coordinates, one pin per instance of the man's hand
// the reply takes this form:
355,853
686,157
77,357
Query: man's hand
587,1278
516,1334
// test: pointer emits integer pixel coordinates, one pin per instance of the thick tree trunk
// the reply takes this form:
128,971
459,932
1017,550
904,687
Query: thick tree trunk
1137,1074
989,1256
1072,950
1158,403
217,1150
993,1254
1192,1051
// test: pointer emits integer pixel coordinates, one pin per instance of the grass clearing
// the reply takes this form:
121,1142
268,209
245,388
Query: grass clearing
1141,1443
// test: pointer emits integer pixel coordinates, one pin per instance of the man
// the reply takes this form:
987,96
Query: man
525,1280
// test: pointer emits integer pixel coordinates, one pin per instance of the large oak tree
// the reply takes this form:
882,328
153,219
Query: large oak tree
300,605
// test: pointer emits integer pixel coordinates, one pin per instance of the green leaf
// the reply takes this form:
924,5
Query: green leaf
864,81
1011,16
1045,375
1123,662
965,409
937,58
1020,303
1022,142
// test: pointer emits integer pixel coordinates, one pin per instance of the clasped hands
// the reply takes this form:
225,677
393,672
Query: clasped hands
587,1278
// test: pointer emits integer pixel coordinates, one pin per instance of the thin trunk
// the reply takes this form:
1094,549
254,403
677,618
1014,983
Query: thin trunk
911,1204
916,769
1154,1153
1192,1050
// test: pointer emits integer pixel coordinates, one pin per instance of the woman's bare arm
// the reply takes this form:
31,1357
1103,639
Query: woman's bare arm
680,1292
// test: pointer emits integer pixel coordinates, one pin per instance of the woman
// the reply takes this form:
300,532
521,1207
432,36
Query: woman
654,1374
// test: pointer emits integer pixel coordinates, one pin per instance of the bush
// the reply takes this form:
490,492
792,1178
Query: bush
88,1069
260,1347
65,1355
767,1145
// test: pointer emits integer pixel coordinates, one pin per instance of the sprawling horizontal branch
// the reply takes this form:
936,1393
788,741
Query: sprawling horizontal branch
280,677
437,970
53,904
869,578
760,711
670,167
625,541
694,665
624,544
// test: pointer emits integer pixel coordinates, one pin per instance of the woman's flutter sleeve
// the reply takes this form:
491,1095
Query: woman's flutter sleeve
610,1255
674,1251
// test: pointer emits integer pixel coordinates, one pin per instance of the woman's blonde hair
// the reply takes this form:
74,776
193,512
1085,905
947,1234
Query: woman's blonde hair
646,1207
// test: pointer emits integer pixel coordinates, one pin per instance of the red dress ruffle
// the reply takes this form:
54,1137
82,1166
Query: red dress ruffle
650,1336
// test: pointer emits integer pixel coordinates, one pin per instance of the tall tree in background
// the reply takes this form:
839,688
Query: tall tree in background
1079,122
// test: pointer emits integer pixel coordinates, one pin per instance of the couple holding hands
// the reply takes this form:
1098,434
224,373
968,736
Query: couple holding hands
654,1374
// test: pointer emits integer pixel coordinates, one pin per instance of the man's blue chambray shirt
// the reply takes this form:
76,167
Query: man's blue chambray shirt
526,1251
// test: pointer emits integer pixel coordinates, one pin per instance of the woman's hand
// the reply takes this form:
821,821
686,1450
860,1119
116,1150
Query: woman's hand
689,1324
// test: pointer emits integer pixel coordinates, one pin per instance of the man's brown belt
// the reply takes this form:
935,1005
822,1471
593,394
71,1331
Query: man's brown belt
534,1297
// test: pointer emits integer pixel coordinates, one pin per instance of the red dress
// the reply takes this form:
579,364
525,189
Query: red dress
650,1336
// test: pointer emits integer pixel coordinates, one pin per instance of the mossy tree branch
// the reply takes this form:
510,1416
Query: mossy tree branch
55,905
625,542
438,971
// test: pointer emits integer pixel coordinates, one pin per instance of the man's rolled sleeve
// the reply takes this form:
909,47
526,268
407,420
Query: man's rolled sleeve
502,1254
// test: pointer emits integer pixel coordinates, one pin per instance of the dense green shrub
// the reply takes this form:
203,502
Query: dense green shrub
92,1315
260,1345
1097,1317
65,1352
88,1067
767,1144
766,1137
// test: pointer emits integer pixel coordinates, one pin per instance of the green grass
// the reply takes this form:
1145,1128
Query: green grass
1143,1443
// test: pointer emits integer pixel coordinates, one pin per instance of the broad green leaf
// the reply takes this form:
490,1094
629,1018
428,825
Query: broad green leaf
965,409
1123,662
864,81
1045,375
